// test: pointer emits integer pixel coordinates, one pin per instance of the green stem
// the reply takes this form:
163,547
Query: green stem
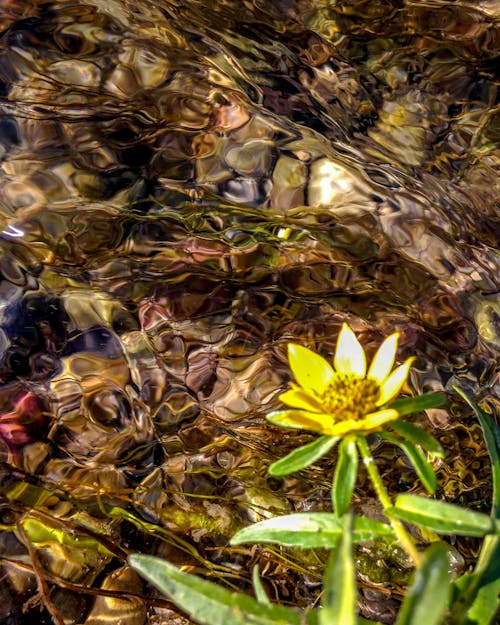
402,535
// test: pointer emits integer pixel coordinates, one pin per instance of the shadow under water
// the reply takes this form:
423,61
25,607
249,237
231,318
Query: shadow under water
186,186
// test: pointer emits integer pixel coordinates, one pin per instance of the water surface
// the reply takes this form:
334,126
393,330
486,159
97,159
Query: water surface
184,188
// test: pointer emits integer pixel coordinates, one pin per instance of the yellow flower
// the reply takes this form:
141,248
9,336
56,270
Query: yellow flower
345,398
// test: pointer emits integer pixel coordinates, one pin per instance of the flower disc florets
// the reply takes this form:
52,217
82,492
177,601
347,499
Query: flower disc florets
344,398
350,397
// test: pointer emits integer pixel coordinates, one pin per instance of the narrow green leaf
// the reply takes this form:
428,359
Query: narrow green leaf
420,463
312,618
491,433
427,598
488,564
303,456
258,588
339,589
407,405
345,475
485,606
476,600
309,530
39,530
206,602
442,517
418,436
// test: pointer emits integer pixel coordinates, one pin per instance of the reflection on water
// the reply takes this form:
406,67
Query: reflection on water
185,187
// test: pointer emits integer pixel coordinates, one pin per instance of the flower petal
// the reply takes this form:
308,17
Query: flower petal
301,419
375,420
349,355
310,370
296,397
383,360
370,423
391,387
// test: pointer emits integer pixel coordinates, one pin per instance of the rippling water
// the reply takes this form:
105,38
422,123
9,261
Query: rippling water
185,187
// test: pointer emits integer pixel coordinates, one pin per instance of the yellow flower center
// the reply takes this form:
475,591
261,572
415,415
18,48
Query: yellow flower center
350,397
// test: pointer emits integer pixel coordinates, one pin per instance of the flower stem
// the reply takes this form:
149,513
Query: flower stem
402,535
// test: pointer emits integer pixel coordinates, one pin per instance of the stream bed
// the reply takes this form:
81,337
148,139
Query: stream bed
185,187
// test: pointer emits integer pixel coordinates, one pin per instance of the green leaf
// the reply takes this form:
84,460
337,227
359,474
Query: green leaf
345,476
420,463
488,564
442,517
476,599
485,605
39,530
418,436
478,603
407,405
258,588
206,602
303,456
491,433
427,598
309,530
339,597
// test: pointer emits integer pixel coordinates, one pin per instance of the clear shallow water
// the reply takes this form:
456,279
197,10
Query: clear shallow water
184,188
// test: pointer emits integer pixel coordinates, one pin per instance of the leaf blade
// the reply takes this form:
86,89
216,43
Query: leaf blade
345,475
491,433
258,588
339,598
418,460
418,436
407,405
309,530
427,598
477,600
206,602
303,457
441,517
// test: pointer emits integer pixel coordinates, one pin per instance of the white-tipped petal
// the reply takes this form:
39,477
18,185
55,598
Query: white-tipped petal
349,355
311,371
300,419
383,361
391,387
375,420
370,423
297,397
